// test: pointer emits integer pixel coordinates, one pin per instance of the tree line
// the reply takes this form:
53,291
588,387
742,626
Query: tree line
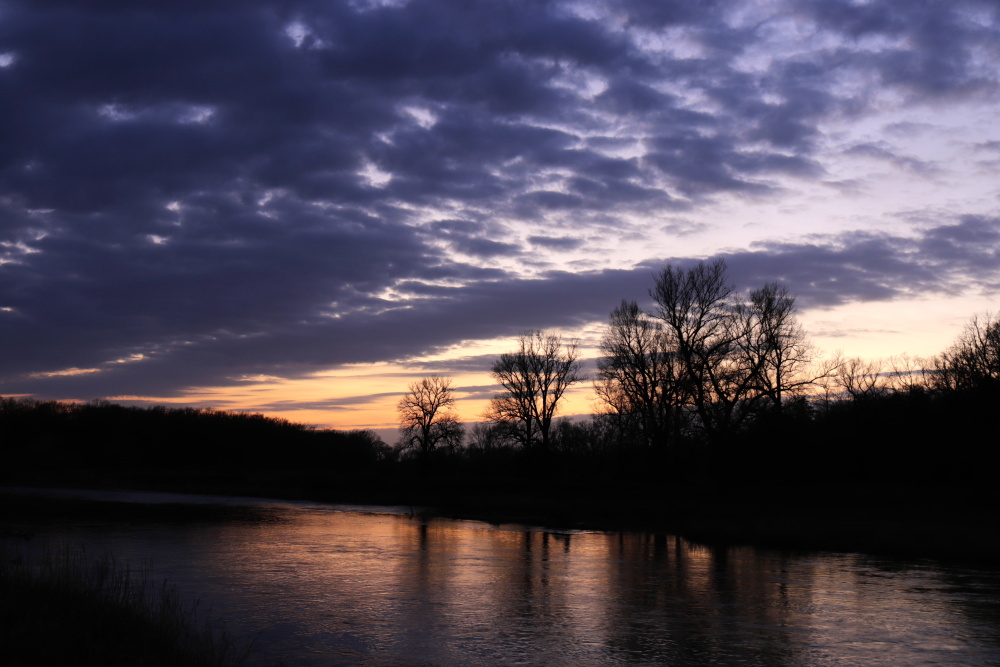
710,381
707,370
100,435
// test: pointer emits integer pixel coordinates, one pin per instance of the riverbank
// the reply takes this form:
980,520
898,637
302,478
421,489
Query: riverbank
944,523
912,522
66,608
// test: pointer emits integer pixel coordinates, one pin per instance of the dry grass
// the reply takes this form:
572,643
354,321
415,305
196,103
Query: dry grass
64,607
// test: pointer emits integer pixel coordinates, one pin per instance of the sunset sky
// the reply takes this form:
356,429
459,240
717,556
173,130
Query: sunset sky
298,208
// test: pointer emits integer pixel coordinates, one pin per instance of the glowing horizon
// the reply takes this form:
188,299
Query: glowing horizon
296,214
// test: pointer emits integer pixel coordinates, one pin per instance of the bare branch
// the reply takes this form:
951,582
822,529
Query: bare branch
426,419
534,379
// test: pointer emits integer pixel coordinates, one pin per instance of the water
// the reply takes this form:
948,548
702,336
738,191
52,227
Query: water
333,585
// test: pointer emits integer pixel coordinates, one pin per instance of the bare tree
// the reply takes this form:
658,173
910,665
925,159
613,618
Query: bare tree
863,379
774,346
426,419
698,309
487,437
534,378
973,361
737,356
908,374
638,376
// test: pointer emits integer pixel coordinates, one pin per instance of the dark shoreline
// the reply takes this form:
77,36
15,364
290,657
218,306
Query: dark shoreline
944,523
63,606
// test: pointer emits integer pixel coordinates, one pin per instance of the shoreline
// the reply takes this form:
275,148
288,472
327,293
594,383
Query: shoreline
64,606
940,523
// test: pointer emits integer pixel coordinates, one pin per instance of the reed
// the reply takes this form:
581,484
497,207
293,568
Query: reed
64,607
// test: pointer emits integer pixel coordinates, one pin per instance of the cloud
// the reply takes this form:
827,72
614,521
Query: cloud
192,192
867,266
469,238
852,267
558,242
882,151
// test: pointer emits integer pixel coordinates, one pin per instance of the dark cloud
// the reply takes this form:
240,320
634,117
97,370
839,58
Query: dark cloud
932,49
479,247
882,151
968,249
558,242
469,238
342,403
831,271
867,266
192,192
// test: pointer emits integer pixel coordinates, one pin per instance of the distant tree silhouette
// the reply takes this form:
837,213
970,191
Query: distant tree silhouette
639,377
486,437
534,378
736,356
699,311
774,346
863,379
973,361
101,435
426,417
909,374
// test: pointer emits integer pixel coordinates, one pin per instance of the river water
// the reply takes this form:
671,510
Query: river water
333,585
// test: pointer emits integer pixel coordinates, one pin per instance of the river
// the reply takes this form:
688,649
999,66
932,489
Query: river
321,584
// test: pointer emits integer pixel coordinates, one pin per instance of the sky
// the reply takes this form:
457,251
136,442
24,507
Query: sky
298,208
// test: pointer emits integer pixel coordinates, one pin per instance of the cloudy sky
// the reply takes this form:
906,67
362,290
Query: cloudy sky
300,207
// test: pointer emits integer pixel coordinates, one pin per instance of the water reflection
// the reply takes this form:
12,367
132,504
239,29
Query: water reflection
324,586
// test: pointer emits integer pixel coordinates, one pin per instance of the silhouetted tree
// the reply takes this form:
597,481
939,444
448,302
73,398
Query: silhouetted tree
426,419
973,361
736,356
774,347
698,309
908,374
487,437
105,436
534,378
862,379
639,378
368,443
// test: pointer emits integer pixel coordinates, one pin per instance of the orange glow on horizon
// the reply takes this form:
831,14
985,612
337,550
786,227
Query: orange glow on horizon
364,396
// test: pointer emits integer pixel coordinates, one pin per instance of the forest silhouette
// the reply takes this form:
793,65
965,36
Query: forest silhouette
715,403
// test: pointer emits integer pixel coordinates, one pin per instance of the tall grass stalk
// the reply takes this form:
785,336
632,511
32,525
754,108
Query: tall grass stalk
63,606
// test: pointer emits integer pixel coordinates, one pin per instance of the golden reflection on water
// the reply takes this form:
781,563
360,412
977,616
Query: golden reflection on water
351,587
325,586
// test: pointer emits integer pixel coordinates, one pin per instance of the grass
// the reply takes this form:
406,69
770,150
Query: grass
64,607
